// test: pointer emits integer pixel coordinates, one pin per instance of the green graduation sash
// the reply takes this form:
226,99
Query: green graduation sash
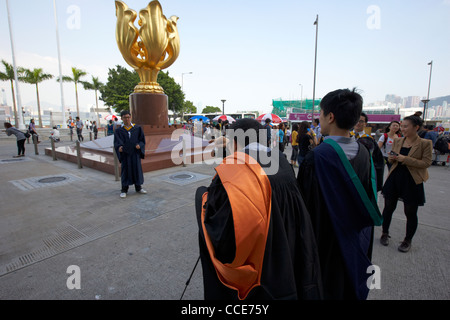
370,204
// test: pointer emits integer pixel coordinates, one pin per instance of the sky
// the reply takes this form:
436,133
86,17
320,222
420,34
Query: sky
246,52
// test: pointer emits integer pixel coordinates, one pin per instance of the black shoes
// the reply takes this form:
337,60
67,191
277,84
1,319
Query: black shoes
384,240
404,246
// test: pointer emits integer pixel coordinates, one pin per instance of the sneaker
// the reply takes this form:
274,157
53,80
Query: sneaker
404,246
123,195
142,191
384,240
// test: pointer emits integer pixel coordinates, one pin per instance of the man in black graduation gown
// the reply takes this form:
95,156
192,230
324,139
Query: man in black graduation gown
255,235
337,181
129,144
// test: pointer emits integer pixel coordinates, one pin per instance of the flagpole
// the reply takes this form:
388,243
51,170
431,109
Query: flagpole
316,23
18,121
64,125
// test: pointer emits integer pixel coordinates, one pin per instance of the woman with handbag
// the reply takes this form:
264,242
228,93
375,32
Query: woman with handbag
410,157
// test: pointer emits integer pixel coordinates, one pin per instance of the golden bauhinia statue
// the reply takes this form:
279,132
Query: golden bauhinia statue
155,46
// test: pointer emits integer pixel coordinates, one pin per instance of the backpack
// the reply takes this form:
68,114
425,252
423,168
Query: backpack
442,144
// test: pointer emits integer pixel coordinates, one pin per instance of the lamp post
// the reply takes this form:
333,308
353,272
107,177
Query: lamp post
223,106
64,124
316,23
425,101
18,116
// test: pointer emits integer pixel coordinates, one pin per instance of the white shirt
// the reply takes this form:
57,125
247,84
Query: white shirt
387,147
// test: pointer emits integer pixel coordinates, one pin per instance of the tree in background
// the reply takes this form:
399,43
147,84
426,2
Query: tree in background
173,91
77,74
189,107
211,109
35,77
8,75
120,85
95,85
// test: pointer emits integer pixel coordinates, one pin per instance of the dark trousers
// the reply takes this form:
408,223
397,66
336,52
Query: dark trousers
294,155
80,134
411,217
21,147
125,188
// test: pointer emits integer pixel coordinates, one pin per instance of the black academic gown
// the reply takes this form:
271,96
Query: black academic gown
291,263
339,261
130,158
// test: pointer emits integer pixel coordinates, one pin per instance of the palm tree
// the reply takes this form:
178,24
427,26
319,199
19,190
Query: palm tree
94,85
36,76
9,75
76,78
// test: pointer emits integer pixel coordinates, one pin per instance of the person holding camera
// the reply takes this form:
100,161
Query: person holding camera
410,157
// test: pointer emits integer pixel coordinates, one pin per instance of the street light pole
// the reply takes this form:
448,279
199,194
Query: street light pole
18,121
64,124
425,102
316,23
223,106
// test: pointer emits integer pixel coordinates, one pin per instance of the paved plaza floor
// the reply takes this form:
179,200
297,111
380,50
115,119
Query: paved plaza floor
55,216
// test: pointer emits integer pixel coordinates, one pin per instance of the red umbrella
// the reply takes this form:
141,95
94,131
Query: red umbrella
110,117
273,118
224,117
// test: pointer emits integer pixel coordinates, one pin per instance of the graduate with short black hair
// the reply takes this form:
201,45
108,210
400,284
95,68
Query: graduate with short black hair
337,181
255,235
129,145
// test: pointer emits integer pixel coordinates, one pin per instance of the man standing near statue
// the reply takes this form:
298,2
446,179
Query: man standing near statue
129,144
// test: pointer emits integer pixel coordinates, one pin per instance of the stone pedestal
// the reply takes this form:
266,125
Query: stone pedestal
149,109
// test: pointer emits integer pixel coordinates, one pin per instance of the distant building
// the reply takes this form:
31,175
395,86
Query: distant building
394,99
412,102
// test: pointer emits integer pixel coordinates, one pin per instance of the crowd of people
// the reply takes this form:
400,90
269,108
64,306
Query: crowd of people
310,236
79,125
285,236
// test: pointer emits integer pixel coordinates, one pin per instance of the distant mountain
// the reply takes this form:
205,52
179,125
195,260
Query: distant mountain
438,101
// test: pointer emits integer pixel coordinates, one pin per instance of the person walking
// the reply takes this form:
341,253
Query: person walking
410,157
280,137
129,145
110,128
79,125
294,143
386,140
10,130
95,129
70,125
